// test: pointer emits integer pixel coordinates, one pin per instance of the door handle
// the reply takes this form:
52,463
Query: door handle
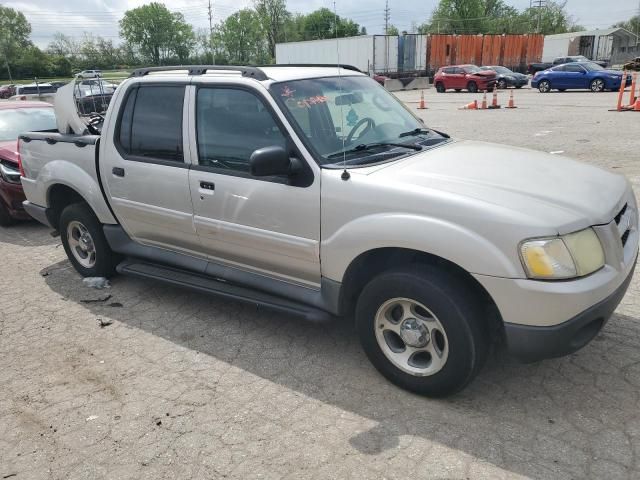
207,185
118,171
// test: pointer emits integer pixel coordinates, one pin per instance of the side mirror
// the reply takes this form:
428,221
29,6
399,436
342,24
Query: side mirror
268,161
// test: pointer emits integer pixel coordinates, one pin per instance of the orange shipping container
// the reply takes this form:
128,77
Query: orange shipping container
512,51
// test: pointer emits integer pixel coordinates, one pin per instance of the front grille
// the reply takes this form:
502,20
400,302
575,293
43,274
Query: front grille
623,221
624,237
618,217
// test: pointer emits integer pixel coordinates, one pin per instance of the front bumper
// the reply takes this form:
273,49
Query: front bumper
530,344
12,196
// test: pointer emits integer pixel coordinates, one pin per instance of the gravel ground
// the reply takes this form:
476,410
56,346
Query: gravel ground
146,381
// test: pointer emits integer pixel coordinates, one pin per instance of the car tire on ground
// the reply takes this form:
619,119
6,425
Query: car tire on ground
472,87
597,85
502,83
422,327
440,87
5,219
544,86
84,242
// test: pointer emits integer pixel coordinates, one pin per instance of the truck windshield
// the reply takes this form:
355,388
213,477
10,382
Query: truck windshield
334,115
16,121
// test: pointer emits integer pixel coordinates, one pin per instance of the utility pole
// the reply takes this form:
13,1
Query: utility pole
213,57
387,16
539,4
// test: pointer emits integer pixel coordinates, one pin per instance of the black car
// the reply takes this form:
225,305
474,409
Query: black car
506,78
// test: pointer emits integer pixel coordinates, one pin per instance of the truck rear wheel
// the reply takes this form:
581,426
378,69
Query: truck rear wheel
85,243
422,328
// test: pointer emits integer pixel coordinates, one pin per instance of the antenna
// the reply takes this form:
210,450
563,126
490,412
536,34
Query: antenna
345,174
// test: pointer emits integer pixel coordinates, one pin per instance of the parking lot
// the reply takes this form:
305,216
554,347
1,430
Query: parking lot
146,381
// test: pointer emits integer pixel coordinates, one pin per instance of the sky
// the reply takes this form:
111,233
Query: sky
100,17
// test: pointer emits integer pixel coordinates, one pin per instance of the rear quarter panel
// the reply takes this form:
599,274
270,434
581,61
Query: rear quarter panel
47,165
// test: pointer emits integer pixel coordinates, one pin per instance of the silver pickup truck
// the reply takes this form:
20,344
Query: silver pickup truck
313,191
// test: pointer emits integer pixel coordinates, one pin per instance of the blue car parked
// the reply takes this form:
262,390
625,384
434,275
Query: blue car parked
578,75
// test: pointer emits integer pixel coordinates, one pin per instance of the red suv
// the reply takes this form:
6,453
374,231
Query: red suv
15,118
464,77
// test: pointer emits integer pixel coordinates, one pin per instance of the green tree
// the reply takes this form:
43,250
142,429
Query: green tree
241,38
14,35
633,25
548,20
392,30
157,32
323,23
273,15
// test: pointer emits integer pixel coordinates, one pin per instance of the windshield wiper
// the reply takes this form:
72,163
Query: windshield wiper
415,131
419,130
367,146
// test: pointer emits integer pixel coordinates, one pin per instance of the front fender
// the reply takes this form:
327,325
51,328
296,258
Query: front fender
465,248
61,172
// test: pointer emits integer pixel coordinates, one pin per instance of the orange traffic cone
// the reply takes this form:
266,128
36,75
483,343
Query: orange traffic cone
422,106
471,106
484,101
511,102
494,102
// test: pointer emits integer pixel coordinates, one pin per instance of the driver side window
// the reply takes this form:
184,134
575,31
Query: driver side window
231,124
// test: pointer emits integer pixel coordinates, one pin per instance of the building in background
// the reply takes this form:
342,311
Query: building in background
612,45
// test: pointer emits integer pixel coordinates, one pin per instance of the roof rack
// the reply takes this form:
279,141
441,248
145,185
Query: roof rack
334,65
251,72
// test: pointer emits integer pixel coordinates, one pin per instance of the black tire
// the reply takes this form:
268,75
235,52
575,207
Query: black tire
440,87
105,259
502,84
6,220
597,85
472,87
544,86
457,308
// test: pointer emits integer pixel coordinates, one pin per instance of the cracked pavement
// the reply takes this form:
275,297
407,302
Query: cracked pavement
182,385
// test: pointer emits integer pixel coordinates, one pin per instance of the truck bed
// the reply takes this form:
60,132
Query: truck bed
47,157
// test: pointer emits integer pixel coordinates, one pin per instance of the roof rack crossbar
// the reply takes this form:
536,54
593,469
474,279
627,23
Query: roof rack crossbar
251,72
335,65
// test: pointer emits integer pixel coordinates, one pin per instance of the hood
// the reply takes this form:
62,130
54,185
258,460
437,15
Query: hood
8,151
546,190
485,73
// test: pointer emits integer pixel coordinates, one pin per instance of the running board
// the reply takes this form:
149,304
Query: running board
210,285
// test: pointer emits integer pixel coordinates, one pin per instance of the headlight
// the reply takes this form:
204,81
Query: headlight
9,173
573,255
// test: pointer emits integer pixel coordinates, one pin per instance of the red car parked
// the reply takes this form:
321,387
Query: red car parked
464,77
15,118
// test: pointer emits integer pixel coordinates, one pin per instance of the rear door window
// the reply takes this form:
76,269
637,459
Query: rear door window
151,123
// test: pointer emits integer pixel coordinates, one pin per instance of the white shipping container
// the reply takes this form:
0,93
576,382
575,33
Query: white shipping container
555,47
356,51
369,53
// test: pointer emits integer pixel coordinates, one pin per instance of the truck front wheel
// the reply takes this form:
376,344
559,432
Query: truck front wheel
84,242
422,328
